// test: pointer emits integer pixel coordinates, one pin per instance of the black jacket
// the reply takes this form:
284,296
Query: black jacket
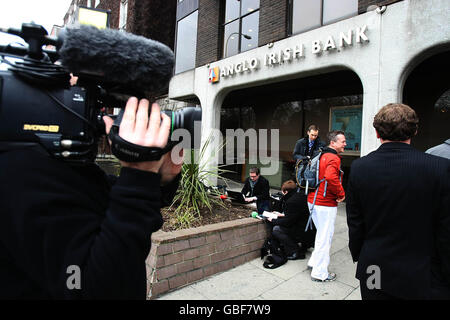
301,149
54,216
296,213
260,191
398,213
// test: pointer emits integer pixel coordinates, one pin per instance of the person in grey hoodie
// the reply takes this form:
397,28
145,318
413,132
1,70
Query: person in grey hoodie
442,150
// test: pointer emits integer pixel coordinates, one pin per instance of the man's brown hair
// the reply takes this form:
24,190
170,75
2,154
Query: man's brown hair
288,186
396,122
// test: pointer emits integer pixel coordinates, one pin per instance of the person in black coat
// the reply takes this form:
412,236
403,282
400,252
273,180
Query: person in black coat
256,188
289,227
70,232
308,146
398,214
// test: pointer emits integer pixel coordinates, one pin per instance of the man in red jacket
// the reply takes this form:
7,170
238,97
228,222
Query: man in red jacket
325,209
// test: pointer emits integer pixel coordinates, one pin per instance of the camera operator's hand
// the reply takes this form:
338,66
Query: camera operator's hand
169,169
138,128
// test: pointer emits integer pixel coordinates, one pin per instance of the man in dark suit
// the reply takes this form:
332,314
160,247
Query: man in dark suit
398,214
308,146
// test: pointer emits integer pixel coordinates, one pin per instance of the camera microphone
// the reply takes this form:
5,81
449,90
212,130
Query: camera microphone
38,108
120,58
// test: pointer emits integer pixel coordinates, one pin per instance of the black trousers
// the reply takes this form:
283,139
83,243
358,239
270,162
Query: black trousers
262,205
281,234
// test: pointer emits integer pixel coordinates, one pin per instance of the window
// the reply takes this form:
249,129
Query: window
123,14
186,43
335,10
241,26
310,14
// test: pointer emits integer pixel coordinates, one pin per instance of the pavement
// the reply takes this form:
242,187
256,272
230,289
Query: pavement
292,281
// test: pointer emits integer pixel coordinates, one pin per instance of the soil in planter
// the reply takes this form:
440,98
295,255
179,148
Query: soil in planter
218,214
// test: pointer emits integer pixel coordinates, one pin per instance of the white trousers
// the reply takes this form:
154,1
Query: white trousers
323,218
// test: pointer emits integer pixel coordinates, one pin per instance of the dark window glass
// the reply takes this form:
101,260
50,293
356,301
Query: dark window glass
249,6
310,14
231,46
241,26
306,15
335,10
186,43
250,28
232,10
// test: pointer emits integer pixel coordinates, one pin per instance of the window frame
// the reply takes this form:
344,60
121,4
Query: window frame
176,44
239,18
123,15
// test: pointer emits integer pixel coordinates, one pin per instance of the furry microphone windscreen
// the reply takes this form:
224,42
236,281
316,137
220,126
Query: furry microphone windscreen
119,57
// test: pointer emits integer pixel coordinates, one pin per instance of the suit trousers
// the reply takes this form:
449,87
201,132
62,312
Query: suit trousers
323,218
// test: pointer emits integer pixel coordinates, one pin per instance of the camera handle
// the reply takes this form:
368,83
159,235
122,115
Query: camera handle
130,152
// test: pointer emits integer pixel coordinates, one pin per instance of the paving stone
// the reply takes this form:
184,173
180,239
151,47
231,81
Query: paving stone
241,283
292,281
301,287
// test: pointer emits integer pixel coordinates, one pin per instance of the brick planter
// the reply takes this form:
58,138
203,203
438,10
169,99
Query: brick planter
182,257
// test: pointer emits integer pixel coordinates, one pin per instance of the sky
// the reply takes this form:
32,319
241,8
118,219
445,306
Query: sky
45,12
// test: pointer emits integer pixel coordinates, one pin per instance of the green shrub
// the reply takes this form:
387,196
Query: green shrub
193,195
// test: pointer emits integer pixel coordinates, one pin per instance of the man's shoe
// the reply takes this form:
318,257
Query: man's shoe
331,277
296,256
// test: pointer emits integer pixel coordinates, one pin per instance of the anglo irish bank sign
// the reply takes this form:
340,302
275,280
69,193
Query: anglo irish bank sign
277,57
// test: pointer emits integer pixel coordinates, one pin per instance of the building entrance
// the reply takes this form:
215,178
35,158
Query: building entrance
427,91
331,101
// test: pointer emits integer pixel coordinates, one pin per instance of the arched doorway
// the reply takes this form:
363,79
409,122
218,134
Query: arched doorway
290,107
427,91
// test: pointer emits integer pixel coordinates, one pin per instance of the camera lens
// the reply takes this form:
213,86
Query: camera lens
185,118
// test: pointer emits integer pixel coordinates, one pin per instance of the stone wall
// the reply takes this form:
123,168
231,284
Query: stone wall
182,257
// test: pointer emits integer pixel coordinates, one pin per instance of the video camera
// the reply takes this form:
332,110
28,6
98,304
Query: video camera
40,109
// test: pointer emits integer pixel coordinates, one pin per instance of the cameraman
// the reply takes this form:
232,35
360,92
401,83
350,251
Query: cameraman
70,232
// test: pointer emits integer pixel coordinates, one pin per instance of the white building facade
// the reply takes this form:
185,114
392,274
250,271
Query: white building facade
381,47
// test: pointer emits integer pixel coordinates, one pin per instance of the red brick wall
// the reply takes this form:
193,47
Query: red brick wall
153,19
185,256
272,21
209,32
114,6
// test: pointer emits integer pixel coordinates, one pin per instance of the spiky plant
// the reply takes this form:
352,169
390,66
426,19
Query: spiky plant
193,194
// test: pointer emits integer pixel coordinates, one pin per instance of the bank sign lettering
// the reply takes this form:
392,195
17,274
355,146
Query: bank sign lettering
278,57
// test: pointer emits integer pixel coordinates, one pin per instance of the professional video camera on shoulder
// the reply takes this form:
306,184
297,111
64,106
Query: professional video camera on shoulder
39,109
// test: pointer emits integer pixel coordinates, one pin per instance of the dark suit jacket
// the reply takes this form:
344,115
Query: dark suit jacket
260,191
302,150
399,219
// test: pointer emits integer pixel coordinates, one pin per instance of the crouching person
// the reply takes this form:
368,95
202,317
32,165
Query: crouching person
289,227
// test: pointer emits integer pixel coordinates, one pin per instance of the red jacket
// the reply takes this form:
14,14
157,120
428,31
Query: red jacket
330,164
